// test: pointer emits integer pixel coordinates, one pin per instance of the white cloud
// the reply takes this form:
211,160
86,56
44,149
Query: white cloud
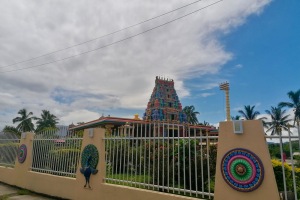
206,94
238,66
121,76
79,116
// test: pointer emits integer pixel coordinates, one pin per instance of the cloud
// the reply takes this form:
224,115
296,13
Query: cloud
206,94
121,76
238,66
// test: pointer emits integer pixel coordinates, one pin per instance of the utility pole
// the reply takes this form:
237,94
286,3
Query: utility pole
225,87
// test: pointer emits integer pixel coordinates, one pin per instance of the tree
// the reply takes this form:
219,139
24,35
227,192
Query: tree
25,121
279,120
191,114
295,104
13,130
248,113
206,123
237,117
47,121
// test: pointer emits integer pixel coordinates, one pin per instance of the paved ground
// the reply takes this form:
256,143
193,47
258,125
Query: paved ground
12,193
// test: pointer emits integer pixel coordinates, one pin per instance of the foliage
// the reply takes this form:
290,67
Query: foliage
25,121
8,153
279,121
237,117
12,130
191,114
46,121
295,104
277,167
248,113
60,157
297,161
274,149
167,161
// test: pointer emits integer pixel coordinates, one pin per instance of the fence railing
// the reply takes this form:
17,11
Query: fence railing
56,152
286,164
170,158
9,144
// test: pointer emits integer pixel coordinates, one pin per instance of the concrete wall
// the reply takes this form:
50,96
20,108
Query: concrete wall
72,188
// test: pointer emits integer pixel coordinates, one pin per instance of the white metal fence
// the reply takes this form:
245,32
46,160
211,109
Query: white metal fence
9,144
57,152
164,157
284,150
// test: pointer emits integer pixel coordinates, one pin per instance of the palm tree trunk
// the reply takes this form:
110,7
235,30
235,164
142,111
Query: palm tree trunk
282,165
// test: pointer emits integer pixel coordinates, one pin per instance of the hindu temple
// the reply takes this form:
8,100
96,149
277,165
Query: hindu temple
164,104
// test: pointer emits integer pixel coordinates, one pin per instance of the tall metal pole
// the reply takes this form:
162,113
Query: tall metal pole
225,87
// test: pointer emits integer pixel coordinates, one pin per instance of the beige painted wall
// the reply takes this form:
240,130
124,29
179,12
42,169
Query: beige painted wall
252,139
72,188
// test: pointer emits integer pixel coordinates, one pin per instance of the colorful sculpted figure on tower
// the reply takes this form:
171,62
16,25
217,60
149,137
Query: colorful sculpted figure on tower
164,104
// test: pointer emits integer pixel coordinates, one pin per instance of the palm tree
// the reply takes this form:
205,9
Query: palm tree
295,104
237,117
279,120
25,121
248,113
191,114
206,123
47,121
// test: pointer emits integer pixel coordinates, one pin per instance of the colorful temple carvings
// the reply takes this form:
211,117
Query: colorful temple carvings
164,104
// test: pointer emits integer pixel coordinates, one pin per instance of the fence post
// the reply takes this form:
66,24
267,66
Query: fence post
22,169
95,137
244,169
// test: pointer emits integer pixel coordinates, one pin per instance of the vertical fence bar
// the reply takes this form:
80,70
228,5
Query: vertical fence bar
183,158
149,155
110,172
124,159
128,152
154,153
163,157
196,169
132,154
168,158
178,146
201,163
282,166
190,170
293,167
140,150
121,137
113,160
173,145
145,151
136,152
208,158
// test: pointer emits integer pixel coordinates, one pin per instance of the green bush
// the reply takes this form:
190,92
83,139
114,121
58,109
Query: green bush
277,167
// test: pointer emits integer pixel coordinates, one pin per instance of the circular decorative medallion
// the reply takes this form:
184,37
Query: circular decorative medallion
242,170
90,155
22,153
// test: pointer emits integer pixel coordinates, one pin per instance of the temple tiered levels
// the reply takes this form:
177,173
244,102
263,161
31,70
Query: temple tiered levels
164,104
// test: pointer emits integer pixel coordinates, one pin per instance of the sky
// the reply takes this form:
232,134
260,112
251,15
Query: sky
252,44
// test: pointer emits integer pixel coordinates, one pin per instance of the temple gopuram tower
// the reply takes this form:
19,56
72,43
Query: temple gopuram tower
164,104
